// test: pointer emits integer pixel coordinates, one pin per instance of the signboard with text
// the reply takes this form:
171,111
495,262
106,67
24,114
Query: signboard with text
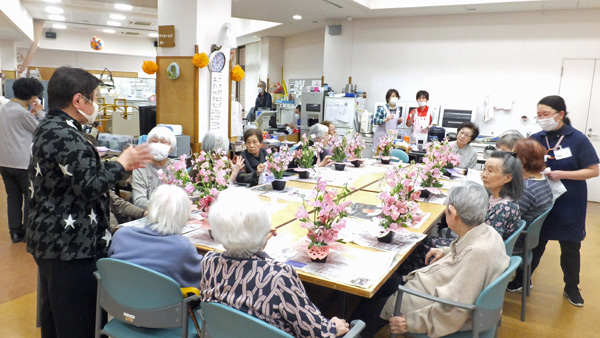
166,36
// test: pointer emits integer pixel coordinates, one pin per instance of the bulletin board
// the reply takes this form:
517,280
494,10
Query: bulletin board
177,100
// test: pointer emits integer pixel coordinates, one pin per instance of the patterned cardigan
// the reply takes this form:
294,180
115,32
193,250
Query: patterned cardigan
268,290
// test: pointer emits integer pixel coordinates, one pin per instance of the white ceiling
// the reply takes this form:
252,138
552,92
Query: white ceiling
92,15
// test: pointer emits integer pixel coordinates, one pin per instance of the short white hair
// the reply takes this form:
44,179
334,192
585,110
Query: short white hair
471,202
318,130
239,221
169,209
163,134
212,142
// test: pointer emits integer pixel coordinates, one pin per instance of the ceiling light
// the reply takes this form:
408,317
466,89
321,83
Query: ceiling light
109,31
54,10
113,23
117,17
123,7
55,17
153,35
53,1
297,17
59,26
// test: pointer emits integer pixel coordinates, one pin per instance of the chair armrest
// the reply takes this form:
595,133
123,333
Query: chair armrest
356,326
402,288
186,291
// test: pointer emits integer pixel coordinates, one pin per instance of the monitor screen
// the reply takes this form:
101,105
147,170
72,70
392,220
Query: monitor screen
453,118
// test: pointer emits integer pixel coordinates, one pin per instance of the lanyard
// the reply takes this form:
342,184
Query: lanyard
555,147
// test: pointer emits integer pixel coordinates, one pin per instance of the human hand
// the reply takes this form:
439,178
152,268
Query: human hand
325,161
37,106
400,120
260,168
145,213
341,325
398,325
237,164
389,117
435,253
135,157
555,175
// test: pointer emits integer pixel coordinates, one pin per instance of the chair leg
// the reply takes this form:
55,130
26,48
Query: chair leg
528,280
524,290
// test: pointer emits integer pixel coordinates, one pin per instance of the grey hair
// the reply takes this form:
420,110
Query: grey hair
239,221
319,130
212,142
511,166
508,140
262,84
471,202
169,209
163,134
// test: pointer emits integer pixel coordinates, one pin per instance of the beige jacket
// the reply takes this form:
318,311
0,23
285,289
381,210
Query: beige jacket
469,264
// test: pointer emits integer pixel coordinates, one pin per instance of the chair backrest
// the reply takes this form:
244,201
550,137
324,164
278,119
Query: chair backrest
533,231
510,242
489,303
217,322
401,155
137,295
143,139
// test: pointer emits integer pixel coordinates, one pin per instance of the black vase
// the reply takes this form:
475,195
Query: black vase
386,160
303,174
425,193
278,185
319,260
340,166
387,238
356,163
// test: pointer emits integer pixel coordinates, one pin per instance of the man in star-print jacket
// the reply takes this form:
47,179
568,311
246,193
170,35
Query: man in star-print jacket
69,208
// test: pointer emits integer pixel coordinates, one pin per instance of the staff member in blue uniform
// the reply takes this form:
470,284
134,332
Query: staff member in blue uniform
573,160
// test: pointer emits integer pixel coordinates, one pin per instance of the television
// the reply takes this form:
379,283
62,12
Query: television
452,118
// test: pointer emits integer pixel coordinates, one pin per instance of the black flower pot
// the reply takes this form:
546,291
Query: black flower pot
387,238
340,166
303,174
386,160
319,260
356,163
278,185
425,193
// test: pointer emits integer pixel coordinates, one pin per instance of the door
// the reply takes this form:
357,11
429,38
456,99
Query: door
580,87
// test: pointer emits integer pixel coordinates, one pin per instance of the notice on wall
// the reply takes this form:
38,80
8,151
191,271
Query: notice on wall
218,114
166,36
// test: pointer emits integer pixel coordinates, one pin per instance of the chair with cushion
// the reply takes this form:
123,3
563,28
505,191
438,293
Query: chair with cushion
487,310
399,156
217,322
531,238
510,242
143,302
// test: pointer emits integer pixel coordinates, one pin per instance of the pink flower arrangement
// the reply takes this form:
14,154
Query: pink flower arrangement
213,172
356,144
278,162
339,145
327,219
400,208
177,174
438,157
386,142
305,156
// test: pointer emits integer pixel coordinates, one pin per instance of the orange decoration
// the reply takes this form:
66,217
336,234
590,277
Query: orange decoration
200,60
149,67
237,73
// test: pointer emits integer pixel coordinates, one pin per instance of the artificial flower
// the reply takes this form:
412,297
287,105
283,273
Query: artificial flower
200,60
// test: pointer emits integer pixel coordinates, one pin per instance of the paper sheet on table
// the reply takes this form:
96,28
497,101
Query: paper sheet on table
340,178
202,237
288,193
365,233
345,264
138,223
434,199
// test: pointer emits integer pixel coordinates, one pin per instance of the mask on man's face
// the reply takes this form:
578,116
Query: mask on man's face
159,151
90,118
260,90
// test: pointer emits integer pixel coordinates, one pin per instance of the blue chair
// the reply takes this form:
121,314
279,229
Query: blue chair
143,302
510,242
143,139
399,156
217,322
531,238
487,310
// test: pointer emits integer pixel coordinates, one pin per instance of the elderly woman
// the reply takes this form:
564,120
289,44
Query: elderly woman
213,142
458,272
254,157
263,100
159,245
507,142
322,136
467,132
245,278
537,193
17,124
331,127
162,141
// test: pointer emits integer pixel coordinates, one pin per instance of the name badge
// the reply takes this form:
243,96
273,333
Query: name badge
562,153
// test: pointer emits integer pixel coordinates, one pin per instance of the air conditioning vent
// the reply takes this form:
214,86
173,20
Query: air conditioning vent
131,33
141,23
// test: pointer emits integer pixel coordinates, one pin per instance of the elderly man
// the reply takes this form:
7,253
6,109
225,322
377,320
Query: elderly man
459,272
67,230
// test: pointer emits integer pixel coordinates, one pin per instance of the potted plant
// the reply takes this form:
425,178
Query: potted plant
400,208
212,175
305,157
177,174
437,159
356,145
326,221
278,163
385,146
339,148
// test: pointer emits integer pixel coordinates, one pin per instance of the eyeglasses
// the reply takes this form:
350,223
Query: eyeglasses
545,115
99,101
463,133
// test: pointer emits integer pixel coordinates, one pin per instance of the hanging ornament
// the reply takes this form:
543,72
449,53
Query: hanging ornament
173,71
200,60
149,67
96,43
237,73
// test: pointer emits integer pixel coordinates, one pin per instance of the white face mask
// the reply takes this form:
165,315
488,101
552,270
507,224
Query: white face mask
159,151
260,90
548,124
90,118
393,101
422,103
